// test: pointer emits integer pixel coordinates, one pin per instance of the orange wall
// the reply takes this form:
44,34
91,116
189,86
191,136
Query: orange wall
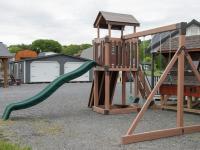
25,54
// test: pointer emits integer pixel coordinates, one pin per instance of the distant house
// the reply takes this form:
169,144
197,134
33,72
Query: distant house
5,55
24,54
47,68
168,42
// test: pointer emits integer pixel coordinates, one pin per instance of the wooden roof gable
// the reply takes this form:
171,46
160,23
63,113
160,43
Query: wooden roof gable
118,21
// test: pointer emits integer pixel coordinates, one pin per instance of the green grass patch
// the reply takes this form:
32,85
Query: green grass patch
5,145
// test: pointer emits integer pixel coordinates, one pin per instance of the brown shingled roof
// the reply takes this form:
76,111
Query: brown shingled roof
117,20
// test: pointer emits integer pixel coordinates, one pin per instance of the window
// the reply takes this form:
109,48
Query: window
193,30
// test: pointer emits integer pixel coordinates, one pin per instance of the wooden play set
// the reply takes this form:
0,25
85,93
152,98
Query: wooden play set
122,54
115,55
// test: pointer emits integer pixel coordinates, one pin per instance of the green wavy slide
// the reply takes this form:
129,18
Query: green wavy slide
50,89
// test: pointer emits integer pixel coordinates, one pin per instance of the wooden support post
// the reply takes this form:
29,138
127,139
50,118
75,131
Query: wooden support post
180,83
107,90
109,30
152,70
107,75
98,32
136,92
123,88
5,70
122,32
96,90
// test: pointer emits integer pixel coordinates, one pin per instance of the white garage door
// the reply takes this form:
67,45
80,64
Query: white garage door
44,71
71,66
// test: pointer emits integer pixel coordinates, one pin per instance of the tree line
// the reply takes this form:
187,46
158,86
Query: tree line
46,45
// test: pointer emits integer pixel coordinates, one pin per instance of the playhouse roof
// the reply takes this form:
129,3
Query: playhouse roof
117,20
4,53
165,36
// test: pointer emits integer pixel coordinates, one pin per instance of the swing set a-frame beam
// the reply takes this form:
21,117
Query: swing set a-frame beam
180,128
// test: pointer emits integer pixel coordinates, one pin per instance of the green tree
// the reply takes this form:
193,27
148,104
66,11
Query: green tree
18,47
74,49
143,47
85,46
45,45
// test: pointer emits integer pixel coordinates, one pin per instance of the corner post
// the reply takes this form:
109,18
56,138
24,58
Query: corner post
180,83
107,73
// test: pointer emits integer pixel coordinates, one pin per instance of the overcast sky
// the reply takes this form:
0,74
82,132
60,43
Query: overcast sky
71,21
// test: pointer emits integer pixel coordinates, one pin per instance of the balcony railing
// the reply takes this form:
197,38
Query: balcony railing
115,52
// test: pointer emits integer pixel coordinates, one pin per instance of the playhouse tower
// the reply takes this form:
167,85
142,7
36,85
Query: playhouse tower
113,55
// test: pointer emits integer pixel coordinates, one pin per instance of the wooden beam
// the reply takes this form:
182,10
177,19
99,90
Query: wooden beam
98,32
180,83
151,31
109,30
152,135
150,97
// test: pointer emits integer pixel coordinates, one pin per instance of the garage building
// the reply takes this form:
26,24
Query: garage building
47,68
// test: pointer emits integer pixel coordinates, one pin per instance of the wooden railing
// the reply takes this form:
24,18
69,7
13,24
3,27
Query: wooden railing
115,52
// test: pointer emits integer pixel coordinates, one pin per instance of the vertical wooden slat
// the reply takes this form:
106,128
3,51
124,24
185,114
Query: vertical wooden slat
103,53
132,54
116,52
135,53
110,54
128,54
120,54
107,54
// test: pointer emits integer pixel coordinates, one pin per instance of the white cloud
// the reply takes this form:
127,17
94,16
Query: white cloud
23,21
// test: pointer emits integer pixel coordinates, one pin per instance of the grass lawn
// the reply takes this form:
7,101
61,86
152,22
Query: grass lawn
4,145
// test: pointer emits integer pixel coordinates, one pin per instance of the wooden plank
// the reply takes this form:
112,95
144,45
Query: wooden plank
127,110
152,135
98,110
151,31
191,129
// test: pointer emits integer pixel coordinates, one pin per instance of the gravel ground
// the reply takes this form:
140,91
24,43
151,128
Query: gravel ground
63,122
